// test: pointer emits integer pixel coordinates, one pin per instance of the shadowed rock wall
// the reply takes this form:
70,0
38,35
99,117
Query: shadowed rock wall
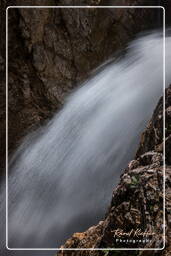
51,51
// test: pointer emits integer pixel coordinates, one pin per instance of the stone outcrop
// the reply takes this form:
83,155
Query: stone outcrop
137,202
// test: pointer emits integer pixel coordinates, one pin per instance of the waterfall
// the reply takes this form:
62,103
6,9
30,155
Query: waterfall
62,175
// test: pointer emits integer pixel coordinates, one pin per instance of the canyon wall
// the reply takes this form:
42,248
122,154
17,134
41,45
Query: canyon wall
51,51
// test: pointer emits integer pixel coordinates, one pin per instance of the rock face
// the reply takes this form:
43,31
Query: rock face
137,202
52,50
152,138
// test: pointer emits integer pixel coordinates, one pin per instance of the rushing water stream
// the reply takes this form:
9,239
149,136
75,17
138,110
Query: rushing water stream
62,176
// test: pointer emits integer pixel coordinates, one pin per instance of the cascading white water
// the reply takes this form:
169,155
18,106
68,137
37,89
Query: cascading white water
62,176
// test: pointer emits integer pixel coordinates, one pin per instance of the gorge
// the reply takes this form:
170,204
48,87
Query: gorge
62,175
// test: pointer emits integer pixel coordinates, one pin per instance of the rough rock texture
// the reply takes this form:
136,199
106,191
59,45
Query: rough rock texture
52,50
152,138
137,202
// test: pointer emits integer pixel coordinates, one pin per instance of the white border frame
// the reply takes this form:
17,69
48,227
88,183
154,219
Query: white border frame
164,121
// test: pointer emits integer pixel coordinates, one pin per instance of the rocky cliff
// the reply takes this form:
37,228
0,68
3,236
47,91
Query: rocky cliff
137,202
